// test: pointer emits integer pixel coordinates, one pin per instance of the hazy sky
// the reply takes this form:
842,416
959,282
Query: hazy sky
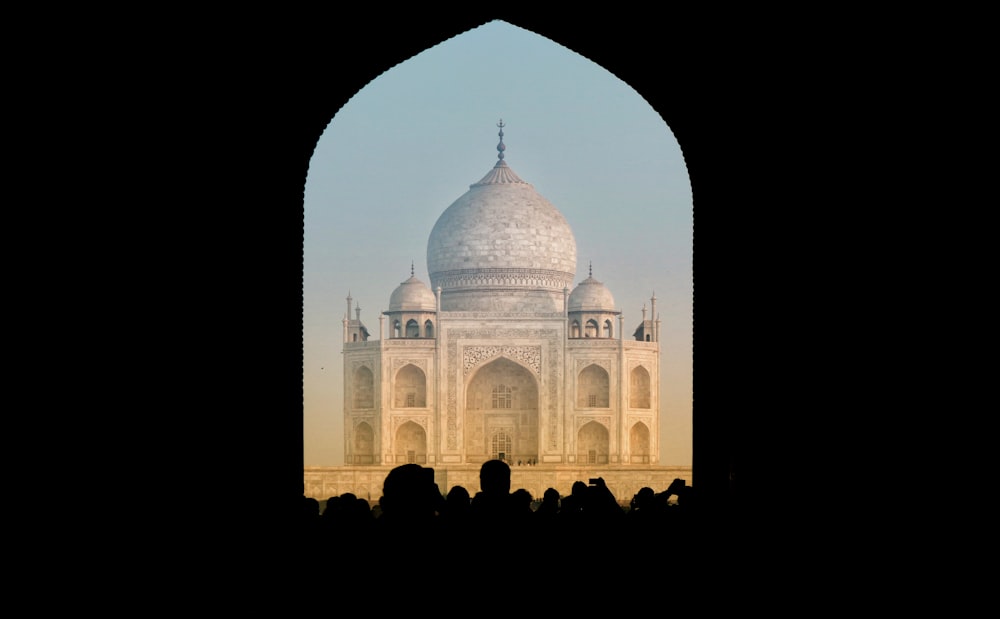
412,141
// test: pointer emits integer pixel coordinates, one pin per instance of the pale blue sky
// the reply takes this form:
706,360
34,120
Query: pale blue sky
412,141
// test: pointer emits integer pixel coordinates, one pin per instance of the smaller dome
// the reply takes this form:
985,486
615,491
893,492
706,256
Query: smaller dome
413,296
591,295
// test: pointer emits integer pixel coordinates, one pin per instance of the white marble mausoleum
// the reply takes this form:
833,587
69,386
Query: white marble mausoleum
500,356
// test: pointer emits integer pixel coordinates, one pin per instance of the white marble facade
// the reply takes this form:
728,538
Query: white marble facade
501,356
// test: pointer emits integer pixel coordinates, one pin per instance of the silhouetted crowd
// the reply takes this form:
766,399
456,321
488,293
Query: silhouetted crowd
414,519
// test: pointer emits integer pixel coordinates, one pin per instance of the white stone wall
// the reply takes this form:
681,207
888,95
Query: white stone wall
465,342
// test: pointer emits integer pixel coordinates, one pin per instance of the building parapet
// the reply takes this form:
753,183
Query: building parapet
639,345
593,342
517,315
370,345
424,342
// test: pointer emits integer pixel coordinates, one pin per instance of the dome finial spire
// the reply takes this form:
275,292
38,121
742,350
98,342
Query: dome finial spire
590,268
500,146
411,268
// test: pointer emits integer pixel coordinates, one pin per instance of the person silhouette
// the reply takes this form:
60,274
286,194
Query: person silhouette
410,504
548,509
492,504
456,507
520,507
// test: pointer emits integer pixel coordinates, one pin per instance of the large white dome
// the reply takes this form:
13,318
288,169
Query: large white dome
501,239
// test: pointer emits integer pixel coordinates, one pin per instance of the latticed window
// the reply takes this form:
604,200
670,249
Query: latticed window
411,400
592,400
501,445
501,396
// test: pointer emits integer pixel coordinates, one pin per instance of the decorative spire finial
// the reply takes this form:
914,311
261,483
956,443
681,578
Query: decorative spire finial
411,268
590,266
500,146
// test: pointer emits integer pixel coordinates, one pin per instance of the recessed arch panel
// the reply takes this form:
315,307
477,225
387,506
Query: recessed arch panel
410,444
409,389
501,399
593,387
593,444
